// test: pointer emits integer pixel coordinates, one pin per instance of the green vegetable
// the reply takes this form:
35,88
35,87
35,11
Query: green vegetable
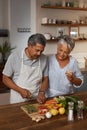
64,101
72,98
31,108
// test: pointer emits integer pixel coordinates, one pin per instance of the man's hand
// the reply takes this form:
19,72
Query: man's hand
41,97
25,93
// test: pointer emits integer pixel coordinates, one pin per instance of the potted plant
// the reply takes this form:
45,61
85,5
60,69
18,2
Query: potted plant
5,50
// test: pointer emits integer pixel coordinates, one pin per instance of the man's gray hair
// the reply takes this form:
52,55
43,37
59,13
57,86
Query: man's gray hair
37,38
68,40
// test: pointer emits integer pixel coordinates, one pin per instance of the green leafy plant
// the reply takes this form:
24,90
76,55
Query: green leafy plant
5,49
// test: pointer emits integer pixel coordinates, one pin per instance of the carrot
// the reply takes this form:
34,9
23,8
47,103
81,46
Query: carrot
51,101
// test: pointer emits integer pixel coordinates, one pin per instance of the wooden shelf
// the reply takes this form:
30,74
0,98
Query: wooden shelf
55,40
70,25
66,8
81,40
67,23
52,40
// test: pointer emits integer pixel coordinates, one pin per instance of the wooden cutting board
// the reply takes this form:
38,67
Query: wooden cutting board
40,111
35,116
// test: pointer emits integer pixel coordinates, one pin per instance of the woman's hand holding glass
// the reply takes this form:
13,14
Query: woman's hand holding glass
69,75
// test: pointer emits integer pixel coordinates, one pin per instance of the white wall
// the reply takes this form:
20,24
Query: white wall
19,18
3,14
33,16
3,17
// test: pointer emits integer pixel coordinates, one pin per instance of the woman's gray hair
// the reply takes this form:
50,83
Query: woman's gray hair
37,38
68,40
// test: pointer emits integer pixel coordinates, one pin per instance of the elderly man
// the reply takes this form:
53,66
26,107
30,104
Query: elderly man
26,72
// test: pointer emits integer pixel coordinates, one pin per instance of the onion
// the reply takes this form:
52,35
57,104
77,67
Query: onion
48,115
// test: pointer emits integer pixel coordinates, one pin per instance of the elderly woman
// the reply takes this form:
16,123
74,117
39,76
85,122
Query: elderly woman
64,73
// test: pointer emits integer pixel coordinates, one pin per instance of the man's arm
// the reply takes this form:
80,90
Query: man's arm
41,95
9,83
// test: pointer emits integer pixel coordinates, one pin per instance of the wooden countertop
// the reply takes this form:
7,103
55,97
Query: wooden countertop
84,70
13,118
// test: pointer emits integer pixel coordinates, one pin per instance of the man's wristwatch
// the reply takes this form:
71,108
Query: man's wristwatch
41,91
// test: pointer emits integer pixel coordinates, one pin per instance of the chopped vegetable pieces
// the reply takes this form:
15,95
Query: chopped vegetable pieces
31,108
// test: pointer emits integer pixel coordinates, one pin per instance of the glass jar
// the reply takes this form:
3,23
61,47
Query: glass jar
81,4
69,3
63,3
58,3
76,3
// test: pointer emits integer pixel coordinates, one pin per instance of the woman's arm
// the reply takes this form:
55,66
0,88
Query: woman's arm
74,80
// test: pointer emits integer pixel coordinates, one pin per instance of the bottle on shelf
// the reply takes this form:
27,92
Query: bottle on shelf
63,3
60,31
46,3
76,3
69,3
81,3
58,3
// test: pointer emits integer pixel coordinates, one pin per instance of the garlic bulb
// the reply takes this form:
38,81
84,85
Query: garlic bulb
48,115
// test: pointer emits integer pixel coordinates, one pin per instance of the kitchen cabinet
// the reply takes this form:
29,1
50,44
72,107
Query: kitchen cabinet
3,88
69,24
4,37
4,33
4,98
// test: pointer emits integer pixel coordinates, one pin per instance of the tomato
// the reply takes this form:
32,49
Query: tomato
42,111
42,107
